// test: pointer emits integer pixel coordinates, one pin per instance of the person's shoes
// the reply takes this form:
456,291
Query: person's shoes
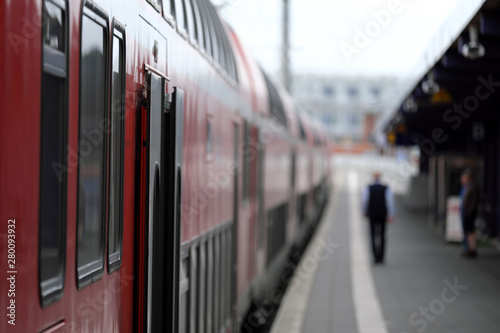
472,254
379,260
468,254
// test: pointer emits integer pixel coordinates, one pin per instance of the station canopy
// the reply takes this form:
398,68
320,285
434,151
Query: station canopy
455,82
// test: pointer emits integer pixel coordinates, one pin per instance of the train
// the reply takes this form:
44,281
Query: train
153,177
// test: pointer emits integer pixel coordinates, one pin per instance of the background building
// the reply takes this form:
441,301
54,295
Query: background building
348,106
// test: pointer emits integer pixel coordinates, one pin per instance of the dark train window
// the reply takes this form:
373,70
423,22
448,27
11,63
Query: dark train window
184,295
92,148
216,285
233,72
180,17
213,33
275,103
198,24
53,158
230,64
202,278
233,69
205,26
191,23
229,270
222,41
117,117
186,21
54,29
217,35
225,59
209,284
276,231
222,279
225,51
193,288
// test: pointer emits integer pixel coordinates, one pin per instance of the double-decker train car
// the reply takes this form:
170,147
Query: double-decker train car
153,177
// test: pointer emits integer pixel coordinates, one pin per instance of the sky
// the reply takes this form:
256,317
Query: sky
335,37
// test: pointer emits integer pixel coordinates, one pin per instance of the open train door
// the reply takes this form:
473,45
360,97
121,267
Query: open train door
158,230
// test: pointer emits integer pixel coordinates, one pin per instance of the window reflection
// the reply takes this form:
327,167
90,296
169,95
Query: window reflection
53,160
116,150
53,26
91,148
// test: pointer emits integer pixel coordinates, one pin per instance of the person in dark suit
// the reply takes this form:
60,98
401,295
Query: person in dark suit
378,206
469,212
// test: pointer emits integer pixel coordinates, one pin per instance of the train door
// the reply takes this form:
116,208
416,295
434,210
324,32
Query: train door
159,220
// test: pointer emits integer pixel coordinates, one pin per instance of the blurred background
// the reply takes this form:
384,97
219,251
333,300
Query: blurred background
348,63
401,79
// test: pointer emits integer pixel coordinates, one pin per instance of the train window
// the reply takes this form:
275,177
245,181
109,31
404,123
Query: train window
234,70
53,160
168,10
276,231
217,33
210,138
229,58
180,17
226,61
92,147
191,23
193,288
186,21
222,278
301,206
270,222
229,270
209,285
231,63
115,232
202,278
247,159
225,58
54,30
224,47
212,32
184,295
216,285
275,103
198,24
205,26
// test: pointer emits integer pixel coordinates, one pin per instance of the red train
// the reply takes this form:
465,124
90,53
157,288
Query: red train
153,178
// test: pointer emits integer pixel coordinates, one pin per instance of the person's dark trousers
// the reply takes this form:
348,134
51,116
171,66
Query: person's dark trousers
377,230
465,243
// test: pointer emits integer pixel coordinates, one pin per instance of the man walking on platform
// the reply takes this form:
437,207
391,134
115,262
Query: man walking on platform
378,206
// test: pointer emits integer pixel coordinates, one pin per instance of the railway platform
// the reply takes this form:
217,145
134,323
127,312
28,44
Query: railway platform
422,286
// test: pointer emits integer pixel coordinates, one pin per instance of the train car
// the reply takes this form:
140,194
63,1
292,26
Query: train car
154,178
